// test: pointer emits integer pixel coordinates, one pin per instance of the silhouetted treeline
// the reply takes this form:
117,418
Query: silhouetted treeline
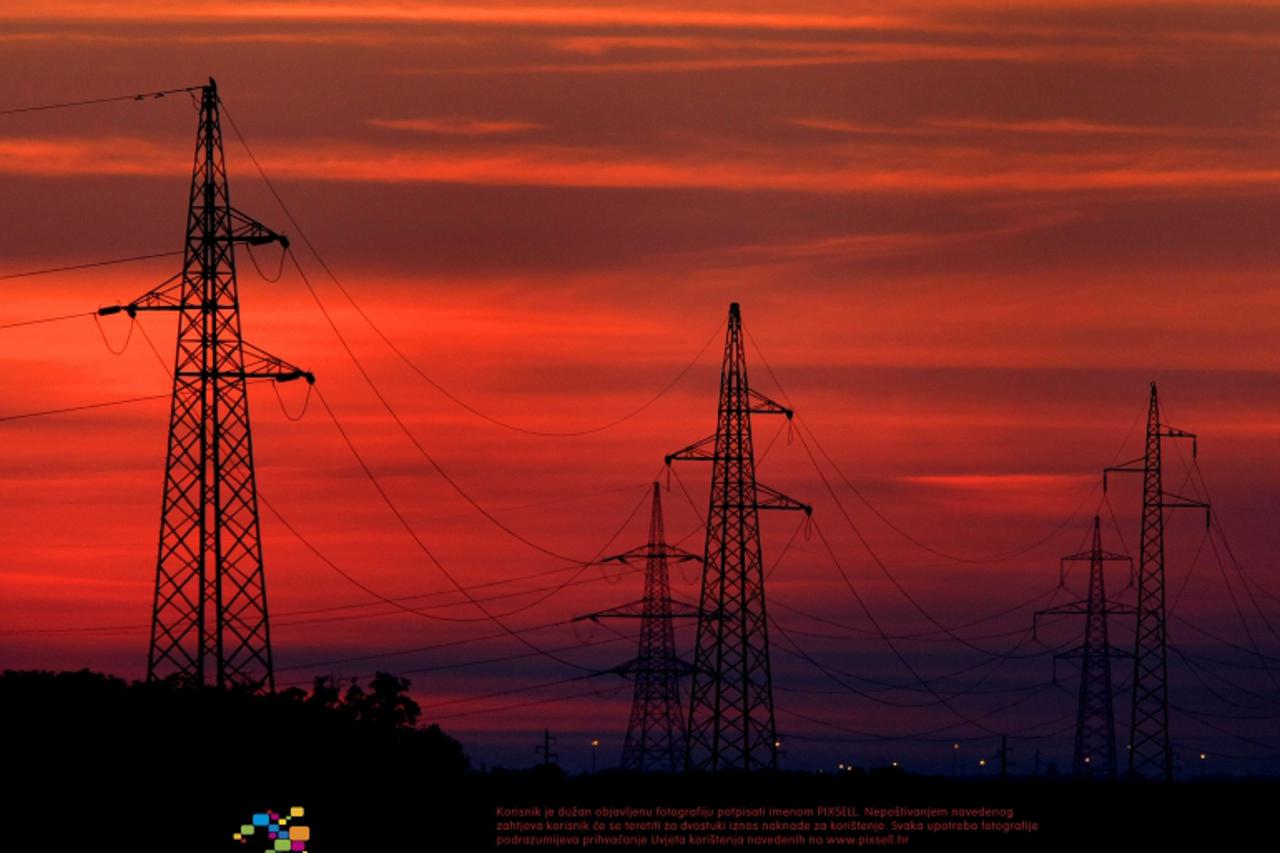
90,750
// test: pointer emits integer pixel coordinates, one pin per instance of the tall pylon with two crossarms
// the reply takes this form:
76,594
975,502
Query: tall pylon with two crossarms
209,620
731,721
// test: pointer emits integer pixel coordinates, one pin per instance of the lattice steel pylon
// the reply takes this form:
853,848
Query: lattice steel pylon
1095,744
1150,750
655,738
731,722
209,619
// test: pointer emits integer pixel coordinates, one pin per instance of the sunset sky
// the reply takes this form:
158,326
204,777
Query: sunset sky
965,236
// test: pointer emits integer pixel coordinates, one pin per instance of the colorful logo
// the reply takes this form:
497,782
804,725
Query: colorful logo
280,832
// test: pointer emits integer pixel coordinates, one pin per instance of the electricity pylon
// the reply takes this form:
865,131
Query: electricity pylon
656,731
209,619
1150,750
1095,745
731,723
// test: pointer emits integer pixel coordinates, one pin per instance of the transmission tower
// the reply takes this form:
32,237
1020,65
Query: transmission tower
731,724
548,757
1095,747
1150,751
209,619
656,732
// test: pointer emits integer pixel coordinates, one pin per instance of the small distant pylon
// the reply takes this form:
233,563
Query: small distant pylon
1095,745
548,757
656,731
1150,749
209,618
731,722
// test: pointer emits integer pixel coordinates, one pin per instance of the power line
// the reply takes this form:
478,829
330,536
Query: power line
1245,579
1201,718
1000,558
462,700
885,637
837,676
1195,670
522,705
321,664
902,532
924,736
395,417
412,365
404,522
85,266
83,408
875,558
60,317
420,611
144,96
933,635
479,662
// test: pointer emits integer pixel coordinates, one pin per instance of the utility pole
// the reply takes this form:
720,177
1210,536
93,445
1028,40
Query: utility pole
1150,750
656,731
731,722
1095,743
209,618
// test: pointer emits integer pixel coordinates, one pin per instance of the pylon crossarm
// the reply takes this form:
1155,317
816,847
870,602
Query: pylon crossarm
633,608
1075,607
703,450
165,297
1086,556
676,554
623,669
661,609
770,498
671,666
1167,431
645,552
683,608
759,404
1133,466
246,229
1171,501
260,364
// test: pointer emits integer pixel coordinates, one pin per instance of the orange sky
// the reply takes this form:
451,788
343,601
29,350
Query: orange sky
965,235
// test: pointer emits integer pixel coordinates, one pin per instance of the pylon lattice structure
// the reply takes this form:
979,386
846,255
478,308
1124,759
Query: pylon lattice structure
1095,743
655,738
209,619
731,722
1150,749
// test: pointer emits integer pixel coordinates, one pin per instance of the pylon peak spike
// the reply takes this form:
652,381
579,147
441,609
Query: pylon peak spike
735,312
